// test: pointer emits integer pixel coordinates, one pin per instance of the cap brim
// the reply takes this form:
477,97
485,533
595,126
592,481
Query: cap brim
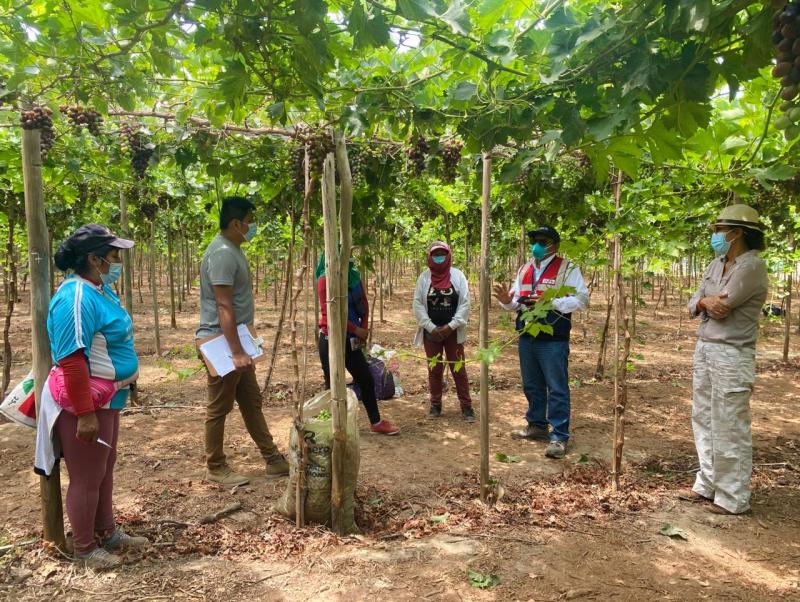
121,243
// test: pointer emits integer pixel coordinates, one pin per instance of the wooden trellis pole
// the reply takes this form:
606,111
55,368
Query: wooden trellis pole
302,487
483,341
787,307
154,285
39,269
620,355
338,242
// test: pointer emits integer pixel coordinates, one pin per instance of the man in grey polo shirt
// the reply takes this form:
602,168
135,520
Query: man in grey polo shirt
226,301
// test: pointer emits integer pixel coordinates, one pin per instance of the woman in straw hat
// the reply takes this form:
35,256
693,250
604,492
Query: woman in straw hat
728,303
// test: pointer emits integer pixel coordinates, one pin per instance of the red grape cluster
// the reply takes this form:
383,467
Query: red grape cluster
149,209
297,167
786,37
417,155
40,118
451,157
357,155
135,143
83,117
319,145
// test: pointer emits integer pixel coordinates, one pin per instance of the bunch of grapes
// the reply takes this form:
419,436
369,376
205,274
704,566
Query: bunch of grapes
358,163
135,143
319,145
149,209
417,155
132,193
40,118
164,200
83,117
83,192
451,157
786,37
297,157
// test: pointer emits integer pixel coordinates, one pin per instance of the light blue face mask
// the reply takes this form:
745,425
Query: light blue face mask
114,273
439,258
720,243
538,250
252,230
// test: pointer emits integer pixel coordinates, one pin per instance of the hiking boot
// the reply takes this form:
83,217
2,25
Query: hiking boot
384,427
119,540
224,475
468,414
98,559
434,411
556,449
531,433
714,509
277,466
694,497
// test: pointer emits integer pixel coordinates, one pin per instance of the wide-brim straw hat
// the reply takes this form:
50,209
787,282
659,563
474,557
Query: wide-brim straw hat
739,216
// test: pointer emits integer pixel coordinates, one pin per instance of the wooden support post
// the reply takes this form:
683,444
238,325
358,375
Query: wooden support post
620,355
127,272
127,268
338,244
483,328
39,268
302,461
787,305
171,273
154,286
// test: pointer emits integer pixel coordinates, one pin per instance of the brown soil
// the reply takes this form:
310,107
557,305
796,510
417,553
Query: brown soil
556,533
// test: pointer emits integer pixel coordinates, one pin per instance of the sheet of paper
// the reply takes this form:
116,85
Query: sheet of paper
218,352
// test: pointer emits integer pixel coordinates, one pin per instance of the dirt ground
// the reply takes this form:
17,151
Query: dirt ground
556,533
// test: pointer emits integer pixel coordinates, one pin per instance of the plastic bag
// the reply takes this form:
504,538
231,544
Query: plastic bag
391,360
318,435
383,380
20,405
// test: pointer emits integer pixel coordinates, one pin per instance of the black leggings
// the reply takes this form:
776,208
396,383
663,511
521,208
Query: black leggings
357,366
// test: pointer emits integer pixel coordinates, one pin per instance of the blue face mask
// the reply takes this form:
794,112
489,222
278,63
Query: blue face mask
538,250
252,230
114,273
439,259
720,243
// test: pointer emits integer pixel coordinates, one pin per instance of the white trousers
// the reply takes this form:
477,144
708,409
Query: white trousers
722,384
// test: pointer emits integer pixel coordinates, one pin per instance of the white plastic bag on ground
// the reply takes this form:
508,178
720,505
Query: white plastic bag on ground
319,438
19,405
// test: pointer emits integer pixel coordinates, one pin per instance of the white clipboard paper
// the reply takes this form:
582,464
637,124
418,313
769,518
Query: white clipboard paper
217,353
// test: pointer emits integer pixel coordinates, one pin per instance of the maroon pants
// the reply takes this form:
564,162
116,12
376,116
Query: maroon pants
91,477
453,351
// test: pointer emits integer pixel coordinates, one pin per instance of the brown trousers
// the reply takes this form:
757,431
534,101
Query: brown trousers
241,387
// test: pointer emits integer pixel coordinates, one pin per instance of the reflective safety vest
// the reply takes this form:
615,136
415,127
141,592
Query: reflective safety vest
554,276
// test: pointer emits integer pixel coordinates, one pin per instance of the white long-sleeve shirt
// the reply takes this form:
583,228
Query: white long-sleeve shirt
459,321
578,301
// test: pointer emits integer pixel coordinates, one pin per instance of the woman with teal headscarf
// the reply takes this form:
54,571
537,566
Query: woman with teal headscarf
355,339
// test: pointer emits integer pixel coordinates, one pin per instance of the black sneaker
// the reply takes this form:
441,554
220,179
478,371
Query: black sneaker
532,433
469,415
434,411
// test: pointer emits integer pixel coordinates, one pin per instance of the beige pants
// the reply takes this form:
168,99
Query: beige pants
241,387
722,384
